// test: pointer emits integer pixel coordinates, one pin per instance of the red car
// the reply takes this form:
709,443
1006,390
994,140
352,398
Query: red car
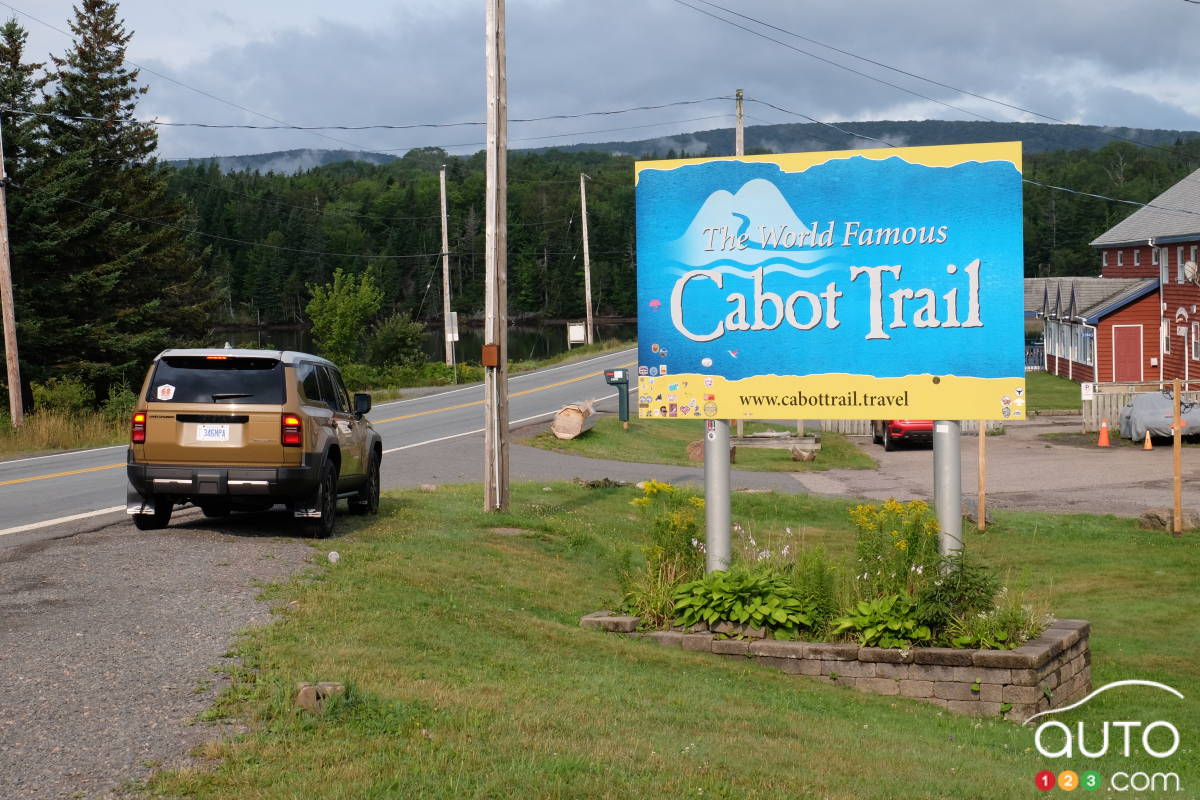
891,432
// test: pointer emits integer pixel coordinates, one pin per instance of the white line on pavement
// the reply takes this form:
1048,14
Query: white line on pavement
68,453
479,386
511,422
35,525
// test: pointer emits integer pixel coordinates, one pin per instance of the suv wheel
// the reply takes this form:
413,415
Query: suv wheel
889,444
324,499
163,506
367,499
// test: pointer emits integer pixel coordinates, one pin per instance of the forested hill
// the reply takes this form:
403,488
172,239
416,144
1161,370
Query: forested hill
1037,137
270,236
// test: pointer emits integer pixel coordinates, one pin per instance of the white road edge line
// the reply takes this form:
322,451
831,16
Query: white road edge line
531,374
68,453
511,422
35,525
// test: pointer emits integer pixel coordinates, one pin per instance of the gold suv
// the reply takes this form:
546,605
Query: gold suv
243,430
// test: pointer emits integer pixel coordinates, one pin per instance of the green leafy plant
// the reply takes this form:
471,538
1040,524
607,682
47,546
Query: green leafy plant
1006,626
962,586
66,395
675,554
396,341
896,548
741,596
889,621
340,311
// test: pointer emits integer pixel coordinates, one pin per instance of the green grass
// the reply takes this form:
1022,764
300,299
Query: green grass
664,441
47,430
1046,392
470,677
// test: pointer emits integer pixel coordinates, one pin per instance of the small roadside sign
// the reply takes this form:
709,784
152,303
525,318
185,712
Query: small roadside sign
1087,390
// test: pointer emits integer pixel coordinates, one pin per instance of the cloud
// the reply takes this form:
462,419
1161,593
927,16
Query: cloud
404,62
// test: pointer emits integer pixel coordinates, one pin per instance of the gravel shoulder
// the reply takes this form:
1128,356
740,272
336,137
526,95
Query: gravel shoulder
107,643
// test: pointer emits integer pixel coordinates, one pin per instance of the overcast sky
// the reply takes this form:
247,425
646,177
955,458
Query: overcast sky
364,62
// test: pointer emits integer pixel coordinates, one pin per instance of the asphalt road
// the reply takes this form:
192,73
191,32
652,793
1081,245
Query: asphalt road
65,493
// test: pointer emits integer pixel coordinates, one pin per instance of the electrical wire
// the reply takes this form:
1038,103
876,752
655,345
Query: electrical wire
376,127
181,83
835,63
898,70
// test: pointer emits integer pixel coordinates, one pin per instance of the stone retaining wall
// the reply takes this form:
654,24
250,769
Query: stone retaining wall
1050,671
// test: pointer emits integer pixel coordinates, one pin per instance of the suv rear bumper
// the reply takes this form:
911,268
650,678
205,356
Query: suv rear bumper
187,482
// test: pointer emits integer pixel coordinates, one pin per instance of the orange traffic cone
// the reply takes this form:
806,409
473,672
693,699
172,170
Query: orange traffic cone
1146,444
1103,434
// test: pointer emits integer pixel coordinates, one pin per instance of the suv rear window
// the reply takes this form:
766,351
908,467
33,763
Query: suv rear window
217,379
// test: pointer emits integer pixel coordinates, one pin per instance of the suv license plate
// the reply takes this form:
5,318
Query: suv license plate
212,433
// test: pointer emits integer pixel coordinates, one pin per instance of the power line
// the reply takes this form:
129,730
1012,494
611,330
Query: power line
898,70
834,63
374,127
178,82
819,122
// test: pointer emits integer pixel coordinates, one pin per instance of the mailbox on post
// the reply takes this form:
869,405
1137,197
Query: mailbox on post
620,379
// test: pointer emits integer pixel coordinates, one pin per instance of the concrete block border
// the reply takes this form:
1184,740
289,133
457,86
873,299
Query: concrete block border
1050,671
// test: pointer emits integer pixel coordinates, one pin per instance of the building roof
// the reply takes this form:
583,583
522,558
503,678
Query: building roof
1089,299
1174,217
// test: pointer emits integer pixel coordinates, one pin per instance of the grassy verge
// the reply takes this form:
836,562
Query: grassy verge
469,676
665,442
1048,392
52,431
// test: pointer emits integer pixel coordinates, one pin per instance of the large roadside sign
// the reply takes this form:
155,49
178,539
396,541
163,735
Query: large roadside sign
876,284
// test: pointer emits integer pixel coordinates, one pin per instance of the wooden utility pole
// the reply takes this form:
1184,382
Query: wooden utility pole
495,332
739,136
16,408
587,262
446,276
1177,436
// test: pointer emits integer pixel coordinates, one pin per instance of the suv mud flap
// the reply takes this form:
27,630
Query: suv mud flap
136,504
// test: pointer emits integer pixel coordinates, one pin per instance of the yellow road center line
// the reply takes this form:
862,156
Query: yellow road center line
59,474
480,402
68,473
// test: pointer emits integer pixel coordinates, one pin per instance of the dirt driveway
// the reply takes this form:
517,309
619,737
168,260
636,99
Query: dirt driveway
1028,472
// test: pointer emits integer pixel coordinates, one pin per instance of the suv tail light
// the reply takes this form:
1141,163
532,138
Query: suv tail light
137,432
291,431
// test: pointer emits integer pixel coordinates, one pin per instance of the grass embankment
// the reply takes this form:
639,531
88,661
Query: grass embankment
48,430
1046,392
664,441
470,676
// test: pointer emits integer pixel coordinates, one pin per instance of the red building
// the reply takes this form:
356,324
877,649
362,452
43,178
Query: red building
1139,321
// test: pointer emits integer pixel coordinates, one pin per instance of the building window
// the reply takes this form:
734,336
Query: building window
1179,264
1166,329
1088,337
1120,258
1104,258
1154,256
1164,259
1196,341
1137,257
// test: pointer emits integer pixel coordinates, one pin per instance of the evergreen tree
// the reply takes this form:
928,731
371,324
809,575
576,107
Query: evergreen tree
114,277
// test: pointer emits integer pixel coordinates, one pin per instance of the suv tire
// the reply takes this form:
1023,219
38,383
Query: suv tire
889,444
324,498
215,509
367,499
163,506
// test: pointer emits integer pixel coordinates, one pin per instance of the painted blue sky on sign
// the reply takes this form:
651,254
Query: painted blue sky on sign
805,231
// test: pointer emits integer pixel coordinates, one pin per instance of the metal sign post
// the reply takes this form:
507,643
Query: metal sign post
947,483
716,495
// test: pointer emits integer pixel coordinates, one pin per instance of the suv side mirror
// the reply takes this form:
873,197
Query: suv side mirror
362,403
